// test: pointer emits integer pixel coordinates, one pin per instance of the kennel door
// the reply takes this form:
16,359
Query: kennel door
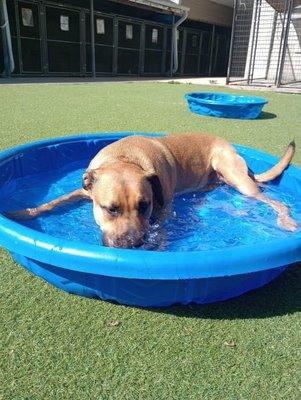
129,34
63,40
30,37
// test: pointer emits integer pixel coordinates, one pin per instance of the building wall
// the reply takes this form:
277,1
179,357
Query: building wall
207,11
54,39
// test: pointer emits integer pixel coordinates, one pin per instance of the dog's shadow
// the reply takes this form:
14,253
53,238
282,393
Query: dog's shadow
280,297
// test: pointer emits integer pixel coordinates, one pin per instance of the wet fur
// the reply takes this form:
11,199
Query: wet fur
137,170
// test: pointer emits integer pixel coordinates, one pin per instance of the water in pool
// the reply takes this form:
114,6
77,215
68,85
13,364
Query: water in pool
218,219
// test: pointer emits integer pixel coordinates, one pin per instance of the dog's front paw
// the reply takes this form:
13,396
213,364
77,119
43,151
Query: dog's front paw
28,213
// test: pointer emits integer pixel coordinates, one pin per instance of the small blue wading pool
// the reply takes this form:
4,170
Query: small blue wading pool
214,246
225,105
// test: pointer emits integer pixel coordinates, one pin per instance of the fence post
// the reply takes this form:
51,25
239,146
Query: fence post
231,43
142,49
212,43
287,20
172,47
92,39
271,44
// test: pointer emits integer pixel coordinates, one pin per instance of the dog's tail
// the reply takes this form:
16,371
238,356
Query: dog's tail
279,167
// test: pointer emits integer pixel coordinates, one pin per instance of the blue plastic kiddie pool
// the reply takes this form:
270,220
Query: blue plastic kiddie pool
224,105
215,244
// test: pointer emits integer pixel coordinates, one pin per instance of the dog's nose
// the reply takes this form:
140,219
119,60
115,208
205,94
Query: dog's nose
128,242
124,242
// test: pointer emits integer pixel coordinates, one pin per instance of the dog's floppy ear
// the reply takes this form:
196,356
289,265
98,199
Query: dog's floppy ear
157,189
89,178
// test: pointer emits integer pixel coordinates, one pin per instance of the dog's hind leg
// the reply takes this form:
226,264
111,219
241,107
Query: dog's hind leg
234,171
34,212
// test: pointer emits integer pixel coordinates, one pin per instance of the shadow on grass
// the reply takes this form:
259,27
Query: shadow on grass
267,115
280,297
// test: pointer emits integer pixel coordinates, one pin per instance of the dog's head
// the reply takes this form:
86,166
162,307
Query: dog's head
124,197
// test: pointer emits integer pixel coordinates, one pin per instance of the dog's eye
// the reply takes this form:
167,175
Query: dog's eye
114,211
143,207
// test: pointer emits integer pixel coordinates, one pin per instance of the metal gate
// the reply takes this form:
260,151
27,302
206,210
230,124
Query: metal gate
104,43
191,59
266,43
205,51
220,54
64,45
290,72
29,35
129,46
154,49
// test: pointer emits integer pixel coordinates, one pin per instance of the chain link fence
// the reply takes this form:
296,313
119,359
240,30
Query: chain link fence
266,43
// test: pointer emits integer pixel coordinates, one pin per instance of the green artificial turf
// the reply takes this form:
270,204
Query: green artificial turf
58,346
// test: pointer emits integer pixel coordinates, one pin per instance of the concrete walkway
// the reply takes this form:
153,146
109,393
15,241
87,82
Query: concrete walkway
77,80
211,81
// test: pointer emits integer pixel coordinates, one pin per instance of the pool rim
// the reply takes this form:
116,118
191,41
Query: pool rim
193,96
143,264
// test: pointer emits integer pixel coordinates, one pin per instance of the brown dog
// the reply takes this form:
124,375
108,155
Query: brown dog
136,177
